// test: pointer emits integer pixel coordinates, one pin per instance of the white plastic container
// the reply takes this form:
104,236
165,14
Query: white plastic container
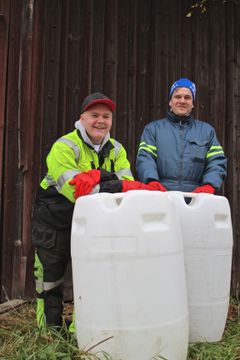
128,276
207,237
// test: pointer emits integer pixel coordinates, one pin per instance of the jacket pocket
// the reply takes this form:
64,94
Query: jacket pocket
43,236
198,150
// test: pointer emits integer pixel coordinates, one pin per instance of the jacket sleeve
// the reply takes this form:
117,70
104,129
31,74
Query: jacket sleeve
146,163
216,163
62,167
122,165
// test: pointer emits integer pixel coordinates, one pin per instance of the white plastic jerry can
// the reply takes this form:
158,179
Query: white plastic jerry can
207,237
128,276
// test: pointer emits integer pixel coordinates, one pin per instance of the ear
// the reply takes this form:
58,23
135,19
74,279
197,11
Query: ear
170,103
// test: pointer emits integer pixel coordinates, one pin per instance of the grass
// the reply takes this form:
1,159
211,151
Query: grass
229,347
20,339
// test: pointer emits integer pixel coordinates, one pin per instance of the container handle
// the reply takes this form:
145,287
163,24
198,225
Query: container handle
189,194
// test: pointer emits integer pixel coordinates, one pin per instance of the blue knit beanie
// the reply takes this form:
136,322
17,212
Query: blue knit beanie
184,82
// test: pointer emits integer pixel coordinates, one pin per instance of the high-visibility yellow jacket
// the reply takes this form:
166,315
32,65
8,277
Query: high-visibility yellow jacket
70,155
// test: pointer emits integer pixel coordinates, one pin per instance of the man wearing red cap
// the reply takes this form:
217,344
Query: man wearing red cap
83,162
179,152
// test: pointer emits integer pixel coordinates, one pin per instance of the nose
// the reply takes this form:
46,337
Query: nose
100,119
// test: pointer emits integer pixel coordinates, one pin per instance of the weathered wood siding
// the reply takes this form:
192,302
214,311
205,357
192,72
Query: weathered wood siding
55,52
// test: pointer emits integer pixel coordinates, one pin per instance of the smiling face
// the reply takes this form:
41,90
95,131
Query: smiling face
97,121
181,101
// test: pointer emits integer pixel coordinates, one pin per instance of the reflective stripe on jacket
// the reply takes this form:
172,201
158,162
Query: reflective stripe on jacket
70,155
181,154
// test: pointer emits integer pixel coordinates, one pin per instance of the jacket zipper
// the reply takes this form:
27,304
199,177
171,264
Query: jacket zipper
181,125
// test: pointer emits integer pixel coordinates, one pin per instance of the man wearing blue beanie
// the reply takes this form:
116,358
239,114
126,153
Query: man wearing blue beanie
186,84
179,152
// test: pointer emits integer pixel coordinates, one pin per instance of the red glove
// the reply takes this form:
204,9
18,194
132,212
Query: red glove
156,185
134,185
84,182
209,189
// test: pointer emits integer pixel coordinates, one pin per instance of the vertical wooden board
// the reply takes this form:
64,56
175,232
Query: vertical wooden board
64,125
176,41
185,41
200,64
36,97
52,31
173,38
86,53
4,40
217,68
159,81
110,51
229,130
24,86
79,57
98,34
12,177
132,101
110,48
74,62
237,127
229,116
4,33
122,120
19,279
24,144
232,130
143,11
31,54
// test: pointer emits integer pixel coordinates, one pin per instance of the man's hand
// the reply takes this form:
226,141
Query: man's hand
84,182
156,185
209,189
134,185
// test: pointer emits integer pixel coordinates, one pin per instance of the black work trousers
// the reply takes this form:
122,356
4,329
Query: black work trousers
51,259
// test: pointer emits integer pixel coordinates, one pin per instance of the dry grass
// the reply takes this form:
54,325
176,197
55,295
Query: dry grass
20,339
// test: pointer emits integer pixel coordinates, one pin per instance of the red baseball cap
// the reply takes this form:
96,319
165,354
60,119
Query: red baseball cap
97,98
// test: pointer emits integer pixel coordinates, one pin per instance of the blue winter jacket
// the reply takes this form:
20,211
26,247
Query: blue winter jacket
182,153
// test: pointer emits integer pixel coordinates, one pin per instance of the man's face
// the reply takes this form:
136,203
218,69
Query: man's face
181,101
97,121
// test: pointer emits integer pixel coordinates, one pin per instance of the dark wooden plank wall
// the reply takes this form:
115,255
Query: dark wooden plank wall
232,132
53,53
12,178
4,39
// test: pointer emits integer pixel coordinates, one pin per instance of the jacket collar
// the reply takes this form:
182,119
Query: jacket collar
79,126
177,119
105,147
